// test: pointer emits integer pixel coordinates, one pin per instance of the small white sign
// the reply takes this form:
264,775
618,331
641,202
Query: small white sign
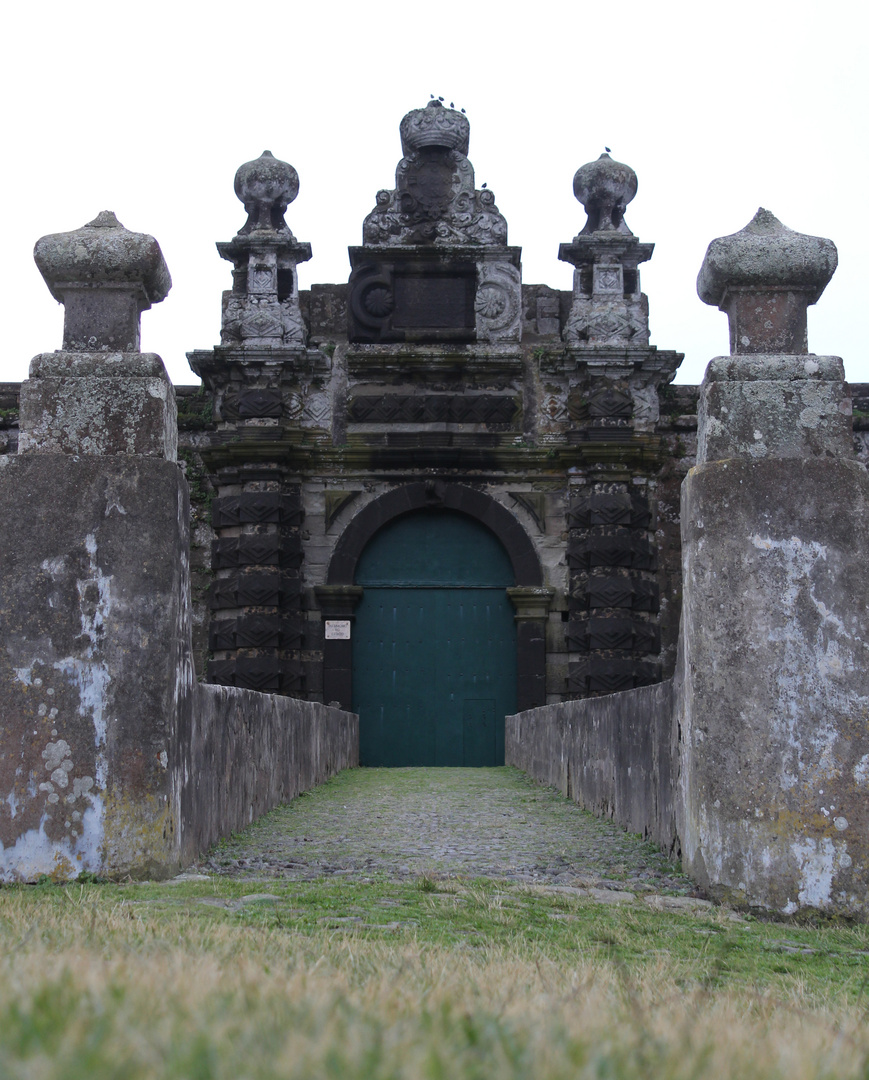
337,629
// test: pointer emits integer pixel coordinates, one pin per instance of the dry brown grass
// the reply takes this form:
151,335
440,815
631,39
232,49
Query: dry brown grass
92,988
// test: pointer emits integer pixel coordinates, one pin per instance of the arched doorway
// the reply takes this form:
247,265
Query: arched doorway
434,642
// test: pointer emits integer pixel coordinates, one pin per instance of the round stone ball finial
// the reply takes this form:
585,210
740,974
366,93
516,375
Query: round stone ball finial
435,126
605,187
266,186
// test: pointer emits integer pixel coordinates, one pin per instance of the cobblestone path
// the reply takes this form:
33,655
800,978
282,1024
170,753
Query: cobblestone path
443,822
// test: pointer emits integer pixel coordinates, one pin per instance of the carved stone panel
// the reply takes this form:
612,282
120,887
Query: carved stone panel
272,549
255,631
610,508
632,592
619,634
605,675
606,403
606,322
258,589
498,303
256,508
412,301
265,674
616,547
252,404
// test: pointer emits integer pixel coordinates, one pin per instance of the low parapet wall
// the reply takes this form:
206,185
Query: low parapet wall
247,753
614,756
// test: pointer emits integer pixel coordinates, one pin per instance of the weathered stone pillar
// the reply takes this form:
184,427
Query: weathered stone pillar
773,681
96,679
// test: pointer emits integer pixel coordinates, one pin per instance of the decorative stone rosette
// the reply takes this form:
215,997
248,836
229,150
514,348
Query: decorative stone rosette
498,303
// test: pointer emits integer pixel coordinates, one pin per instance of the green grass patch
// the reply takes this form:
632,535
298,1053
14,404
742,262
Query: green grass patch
423,978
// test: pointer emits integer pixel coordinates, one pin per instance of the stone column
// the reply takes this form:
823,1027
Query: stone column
255,379
96,678
613,638
773,681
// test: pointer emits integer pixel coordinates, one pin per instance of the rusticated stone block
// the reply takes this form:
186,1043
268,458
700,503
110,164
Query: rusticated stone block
256,508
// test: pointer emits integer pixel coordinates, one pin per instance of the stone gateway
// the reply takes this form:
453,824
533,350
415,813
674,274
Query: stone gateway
436,516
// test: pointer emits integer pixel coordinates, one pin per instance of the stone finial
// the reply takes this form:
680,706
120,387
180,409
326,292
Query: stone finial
435,126
266,186
105,276
765,277
605,187
435,201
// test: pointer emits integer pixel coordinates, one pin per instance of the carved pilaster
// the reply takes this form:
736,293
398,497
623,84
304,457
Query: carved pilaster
612,637
256,631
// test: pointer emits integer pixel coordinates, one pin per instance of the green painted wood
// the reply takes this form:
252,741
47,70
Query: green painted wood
434,547
434,665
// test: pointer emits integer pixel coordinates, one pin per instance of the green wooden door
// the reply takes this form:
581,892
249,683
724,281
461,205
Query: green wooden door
434,644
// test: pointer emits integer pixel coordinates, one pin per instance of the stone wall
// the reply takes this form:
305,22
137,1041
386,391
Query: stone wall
613,756
246,753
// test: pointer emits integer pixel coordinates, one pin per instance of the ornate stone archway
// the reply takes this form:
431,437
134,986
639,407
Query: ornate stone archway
340,595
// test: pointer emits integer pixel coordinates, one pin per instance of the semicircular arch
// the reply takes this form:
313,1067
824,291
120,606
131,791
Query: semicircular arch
421,496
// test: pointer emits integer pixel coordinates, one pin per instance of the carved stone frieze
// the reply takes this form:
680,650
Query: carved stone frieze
432,408
411,297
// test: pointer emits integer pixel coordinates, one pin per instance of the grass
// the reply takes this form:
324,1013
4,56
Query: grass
426,978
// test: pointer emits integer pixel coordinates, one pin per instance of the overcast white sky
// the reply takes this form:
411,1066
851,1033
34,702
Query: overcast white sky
148,110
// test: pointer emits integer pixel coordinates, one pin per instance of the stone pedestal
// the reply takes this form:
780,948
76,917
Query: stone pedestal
96,678
757,407
772,681
98,403
96,675
774,702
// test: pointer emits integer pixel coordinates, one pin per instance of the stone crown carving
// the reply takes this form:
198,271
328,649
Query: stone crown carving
434,126
434,201
763,255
